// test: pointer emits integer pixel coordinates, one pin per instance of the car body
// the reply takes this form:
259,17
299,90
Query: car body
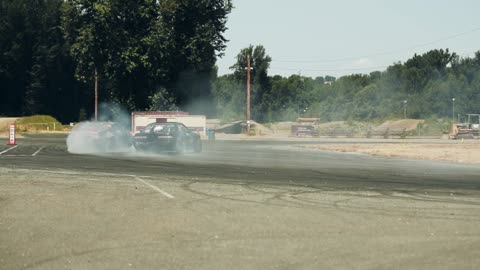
98,137
167,137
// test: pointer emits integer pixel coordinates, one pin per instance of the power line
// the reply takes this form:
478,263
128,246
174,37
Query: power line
380,53
341,69
467,54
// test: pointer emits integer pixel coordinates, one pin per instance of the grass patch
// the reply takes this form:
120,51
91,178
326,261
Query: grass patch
435,126
39,123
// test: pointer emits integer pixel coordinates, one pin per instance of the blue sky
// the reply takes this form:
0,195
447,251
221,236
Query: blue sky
318,38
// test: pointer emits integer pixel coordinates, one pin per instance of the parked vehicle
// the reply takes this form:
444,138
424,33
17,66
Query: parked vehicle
304,130
167,137
468,129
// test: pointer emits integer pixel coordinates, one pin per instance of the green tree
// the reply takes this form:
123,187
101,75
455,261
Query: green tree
35,67
230,98
259,79
139,46
419,69
111,38
194,31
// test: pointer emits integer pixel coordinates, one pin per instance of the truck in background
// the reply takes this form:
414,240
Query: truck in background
467,129
197,123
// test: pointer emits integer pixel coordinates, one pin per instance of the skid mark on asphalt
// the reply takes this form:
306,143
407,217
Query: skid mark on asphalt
164,193
275,194
242,196
399,203
78,254
395,202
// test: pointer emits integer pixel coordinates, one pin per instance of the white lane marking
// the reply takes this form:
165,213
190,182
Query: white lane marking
13,147
38,151
166,194
66,172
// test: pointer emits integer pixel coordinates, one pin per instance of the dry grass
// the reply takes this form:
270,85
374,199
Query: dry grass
5,122
35,123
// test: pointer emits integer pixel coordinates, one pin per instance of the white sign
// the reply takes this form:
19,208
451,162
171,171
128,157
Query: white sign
12,134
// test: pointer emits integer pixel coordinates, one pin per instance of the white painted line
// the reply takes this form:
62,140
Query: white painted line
66,172
38,151
69,172
155,188
13,147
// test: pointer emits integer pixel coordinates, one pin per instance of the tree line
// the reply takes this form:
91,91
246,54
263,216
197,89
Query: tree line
161,55
147,54
438,83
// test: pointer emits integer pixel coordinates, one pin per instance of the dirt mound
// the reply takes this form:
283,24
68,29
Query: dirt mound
238,127
333,125
404,124
261,129
283,126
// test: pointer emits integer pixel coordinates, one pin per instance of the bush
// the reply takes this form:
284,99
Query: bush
435,126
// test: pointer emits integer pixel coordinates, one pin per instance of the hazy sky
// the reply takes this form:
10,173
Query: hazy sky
318,38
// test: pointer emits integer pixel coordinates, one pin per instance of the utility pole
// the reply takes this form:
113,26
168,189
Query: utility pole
248,94
453,110
96,95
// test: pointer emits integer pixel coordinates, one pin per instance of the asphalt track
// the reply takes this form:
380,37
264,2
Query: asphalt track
237,205
272,162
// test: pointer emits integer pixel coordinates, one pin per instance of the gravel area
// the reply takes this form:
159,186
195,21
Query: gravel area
453,151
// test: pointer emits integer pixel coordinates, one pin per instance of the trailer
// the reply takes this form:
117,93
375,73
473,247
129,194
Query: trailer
197,123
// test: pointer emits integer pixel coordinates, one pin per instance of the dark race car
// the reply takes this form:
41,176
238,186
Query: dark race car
99,137
167,137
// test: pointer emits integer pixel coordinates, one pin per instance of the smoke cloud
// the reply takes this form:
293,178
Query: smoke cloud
111,134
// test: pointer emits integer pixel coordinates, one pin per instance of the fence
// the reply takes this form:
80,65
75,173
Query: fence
350,133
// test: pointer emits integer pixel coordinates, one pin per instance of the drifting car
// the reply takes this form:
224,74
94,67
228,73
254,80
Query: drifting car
167,137
99,137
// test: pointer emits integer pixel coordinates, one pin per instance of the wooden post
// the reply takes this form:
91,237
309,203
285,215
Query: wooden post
248,94
96,95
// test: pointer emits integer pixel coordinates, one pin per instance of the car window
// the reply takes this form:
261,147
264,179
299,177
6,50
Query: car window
148,128
183,129
159,129
163,129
